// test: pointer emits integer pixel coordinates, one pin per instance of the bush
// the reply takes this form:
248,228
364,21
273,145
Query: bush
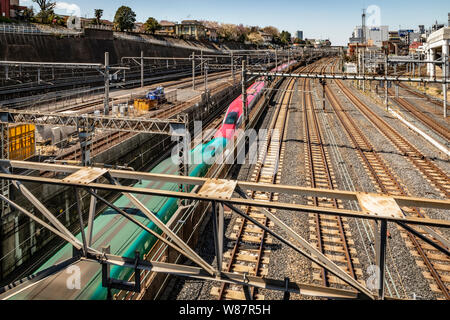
6,20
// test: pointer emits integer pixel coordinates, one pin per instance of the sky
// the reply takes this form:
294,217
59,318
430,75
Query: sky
318,19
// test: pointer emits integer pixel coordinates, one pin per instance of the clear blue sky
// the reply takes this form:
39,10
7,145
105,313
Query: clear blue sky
333,19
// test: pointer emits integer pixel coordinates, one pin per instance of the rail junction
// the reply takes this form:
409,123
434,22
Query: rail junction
331,203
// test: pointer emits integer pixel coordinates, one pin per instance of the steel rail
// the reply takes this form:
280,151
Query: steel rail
257,174
314,141
376,166
423,117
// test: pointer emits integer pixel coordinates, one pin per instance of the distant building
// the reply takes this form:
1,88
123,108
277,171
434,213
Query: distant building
421,29
191,29
353,47
436,26
10,8
211,33
414,47
409,36
267,37
90,22
299,35
168,28
139,27
322,43
394,37
373,35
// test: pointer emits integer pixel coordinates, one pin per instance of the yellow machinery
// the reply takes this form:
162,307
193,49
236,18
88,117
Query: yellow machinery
145,104
22,141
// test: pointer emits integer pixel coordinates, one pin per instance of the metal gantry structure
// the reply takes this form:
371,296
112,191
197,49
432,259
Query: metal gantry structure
104,69
375,207
380,59
203,62
86,125
386,78
219,193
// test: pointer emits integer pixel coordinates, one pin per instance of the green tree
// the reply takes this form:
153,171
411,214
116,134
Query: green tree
285,37
151,25
98,15
28,14
124,18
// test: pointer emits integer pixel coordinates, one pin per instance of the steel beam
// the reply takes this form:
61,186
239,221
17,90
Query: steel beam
346,77
152,217
52,65
109,123
80,218
144,227
428,240
53,220
402,201
381,257
92,209
229,277
217,221
443,204
77,245
307,249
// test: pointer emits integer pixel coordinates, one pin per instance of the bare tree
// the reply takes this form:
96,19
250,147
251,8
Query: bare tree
256,38
45,5
273,31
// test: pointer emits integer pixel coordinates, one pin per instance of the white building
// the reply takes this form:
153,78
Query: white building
373,35
437,45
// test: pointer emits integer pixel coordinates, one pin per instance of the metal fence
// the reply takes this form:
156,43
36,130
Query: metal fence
146,39
98,27
31,29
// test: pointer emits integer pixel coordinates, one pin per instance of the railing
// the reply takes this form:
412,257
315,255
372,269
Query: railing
31,29
99,27
147,39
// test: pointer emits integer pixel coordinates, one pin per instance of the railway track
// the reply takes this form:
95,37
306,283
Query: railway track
435,265
422,96
423,117
437,177
178,84
331,234
107,140
250,252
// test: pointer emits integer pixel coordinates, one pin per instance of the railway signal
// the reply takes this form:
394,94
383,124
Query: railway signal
323,82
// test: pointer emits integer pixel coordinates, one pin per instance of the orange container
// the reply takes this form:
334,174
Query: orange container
22,141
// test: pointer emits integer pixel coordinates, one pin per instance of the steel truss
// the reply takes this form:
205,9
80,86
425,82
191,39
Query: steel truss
110,123
381,208
332,76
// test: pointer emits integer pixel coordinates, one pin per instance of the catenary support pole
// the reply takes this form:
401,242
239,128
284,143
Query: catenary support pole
193,70
244,94
106,102
381,257
142,69
445,76
386,98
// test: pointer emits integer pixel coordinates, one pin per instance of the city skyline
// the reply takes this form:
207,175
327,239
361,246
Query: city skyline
339,18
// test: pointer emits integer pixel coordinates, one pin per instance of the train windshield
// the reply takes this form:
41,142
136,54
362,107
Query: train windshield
231,118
